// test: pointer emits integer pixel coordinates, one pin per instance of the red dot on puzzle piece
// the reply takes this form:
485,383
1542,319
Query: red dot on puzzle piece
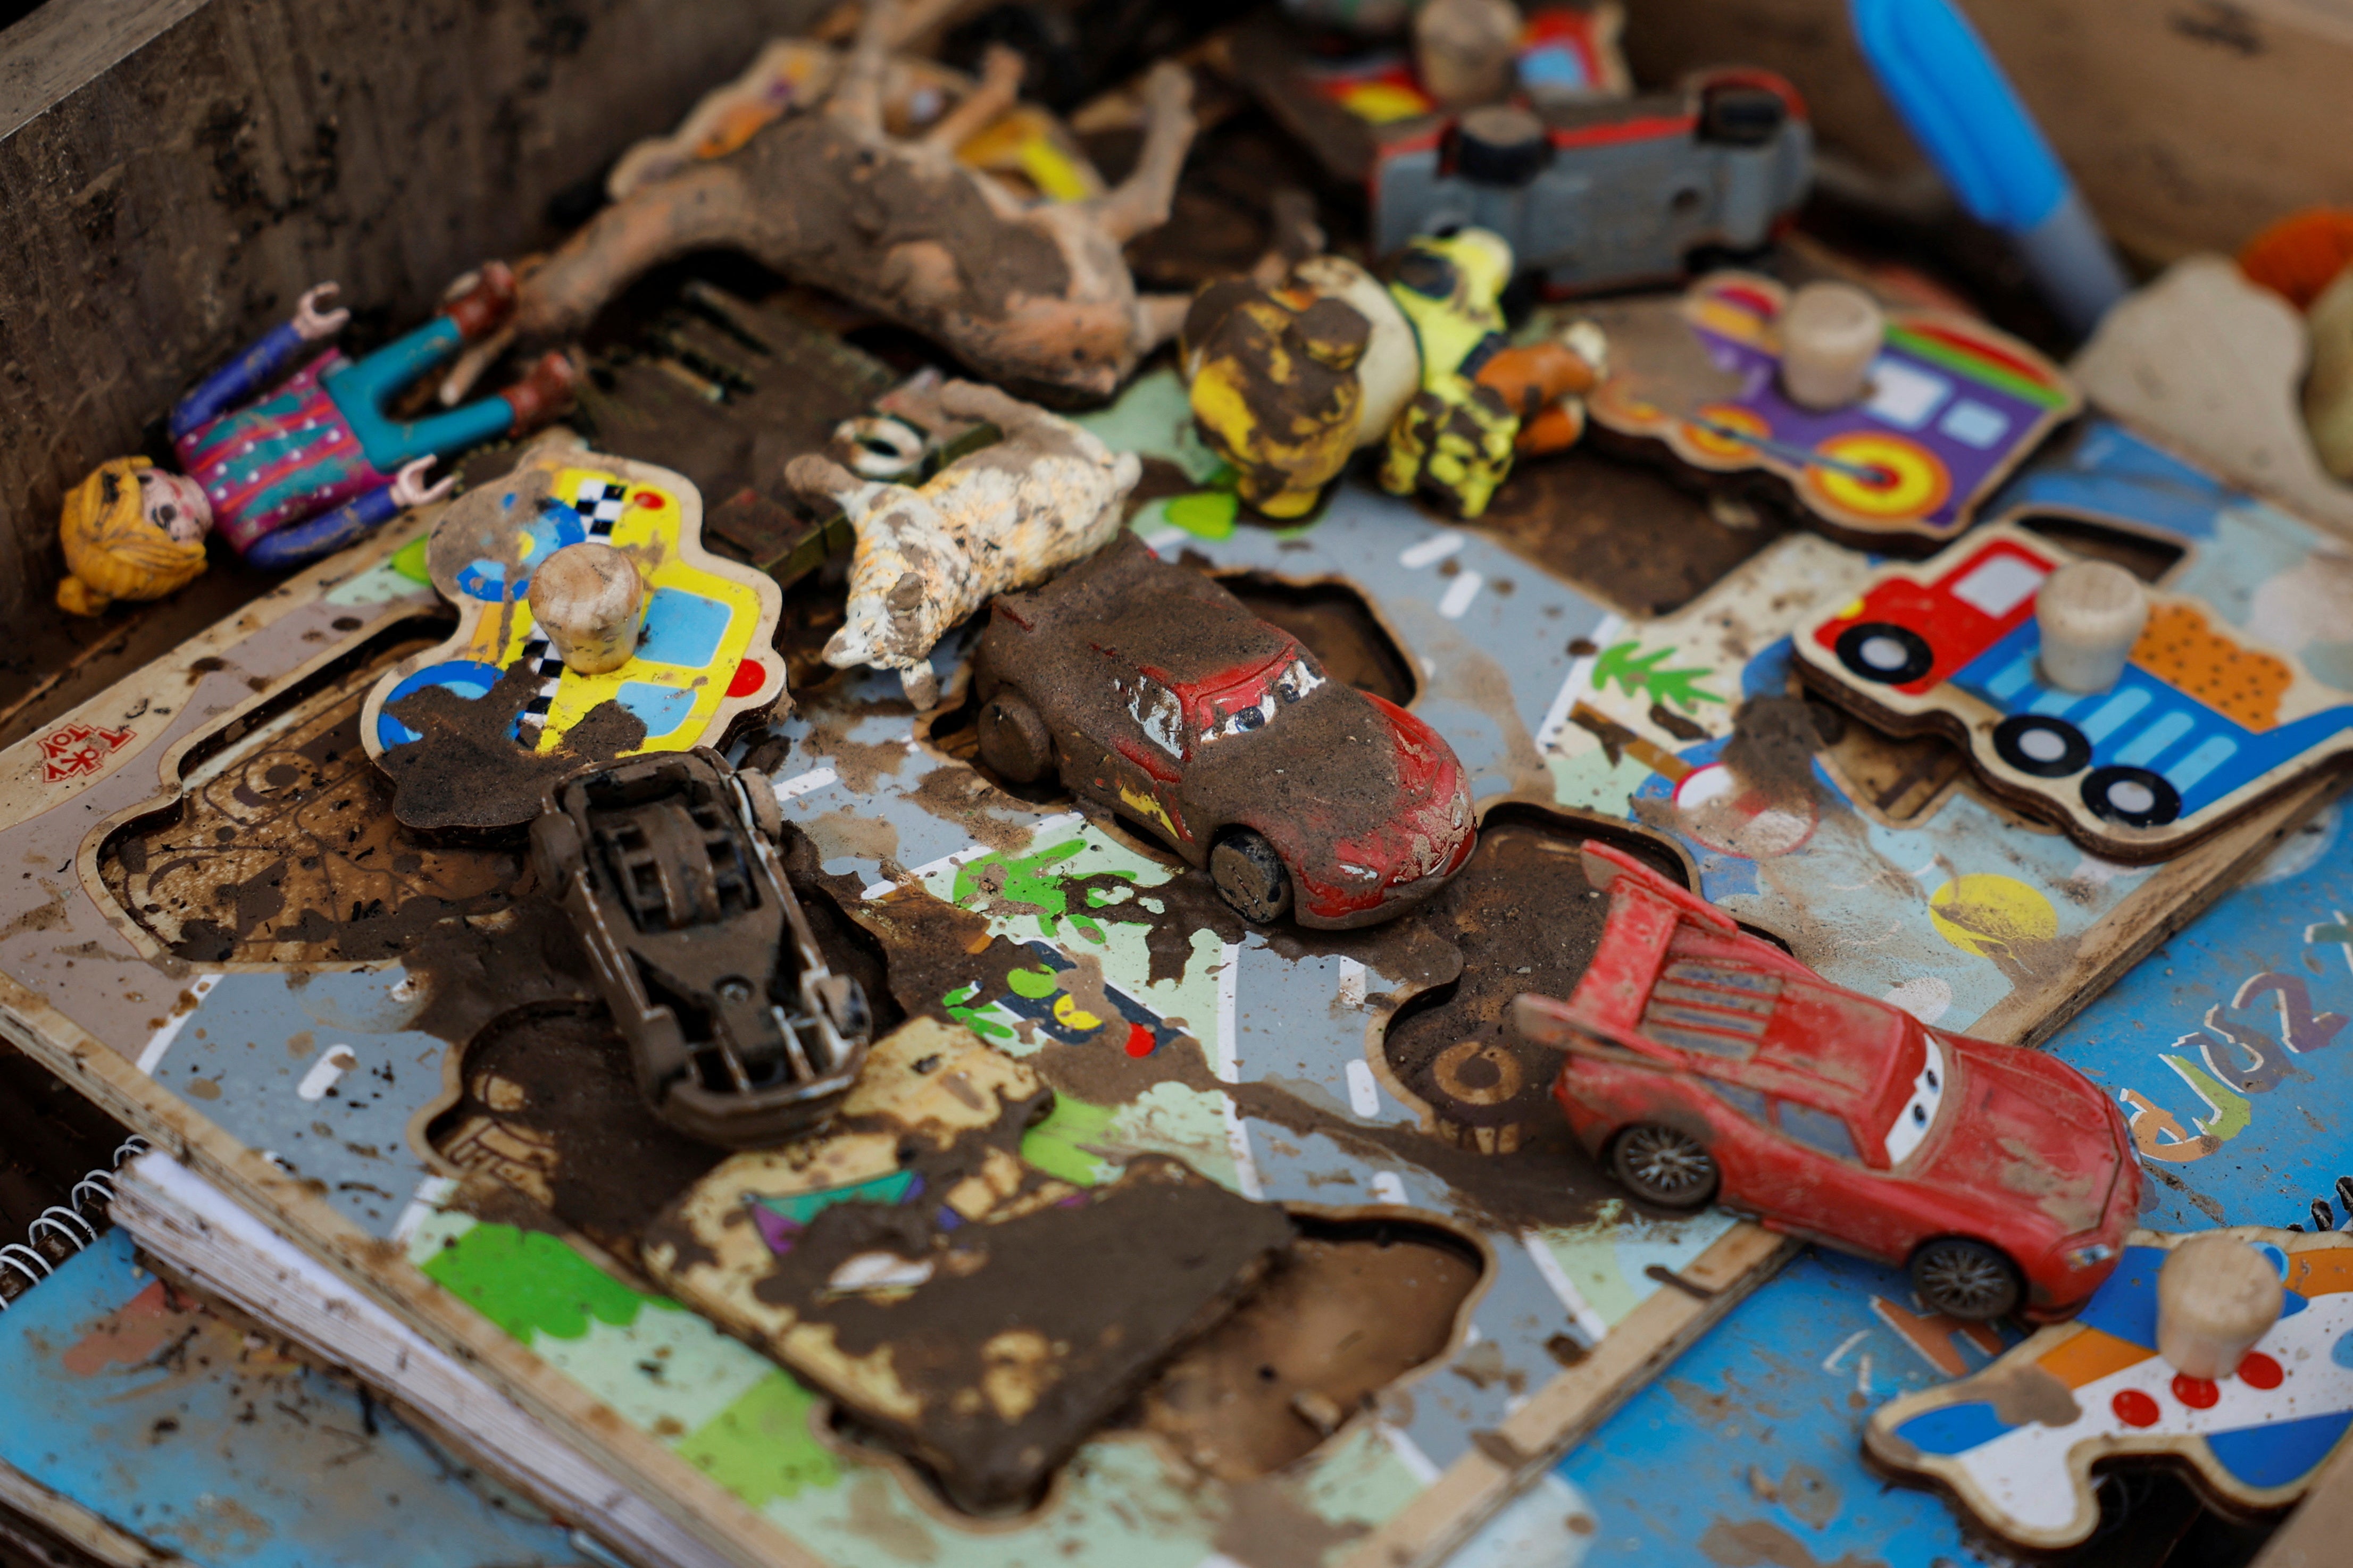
1139,1040
749,676
2197,1392
649,500
2259,1371
2135,1408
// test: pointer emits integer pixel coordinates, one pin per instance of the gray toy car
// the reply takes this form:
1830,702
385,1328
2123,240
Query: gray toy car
739,1033
1604,195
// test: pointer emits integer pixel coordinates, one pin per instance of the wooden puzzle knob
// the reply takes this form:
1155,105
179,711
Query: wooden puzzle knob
2216,1296
589,601
2091,613
1830,333
1467,51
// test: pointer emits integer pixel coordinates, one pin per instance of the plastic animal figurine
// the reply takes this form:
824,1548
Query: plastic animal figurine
1034,292
2134,1377
1290,372
1702,1062
1454,441
1001,518
293,466
1153,692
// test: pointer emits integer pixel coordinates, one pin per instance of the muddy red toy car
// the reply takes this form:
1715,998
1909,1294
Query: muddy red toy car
1158,696
1703,1062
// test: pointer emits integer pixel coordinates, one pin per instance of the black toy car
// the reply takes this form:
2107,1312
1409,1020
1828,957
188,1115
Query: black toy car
740,1034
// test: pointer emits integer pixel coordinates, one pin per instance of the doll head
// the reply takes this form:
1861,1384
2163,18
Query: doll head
130,531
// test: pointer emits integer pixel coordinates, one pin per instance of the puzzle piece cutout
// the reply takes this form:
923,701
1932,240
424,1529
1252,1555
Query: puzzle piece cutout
2204,722
703,657
2017,1439
1955,405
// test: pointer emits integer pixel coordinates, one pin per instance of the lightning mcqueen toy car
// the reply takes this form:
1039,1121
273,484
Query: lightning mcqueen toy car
1704,1062
1158,696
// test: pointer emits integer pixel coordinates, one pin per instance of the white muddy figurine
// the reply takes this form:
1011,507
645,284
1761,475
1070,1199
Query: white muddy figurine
1005,517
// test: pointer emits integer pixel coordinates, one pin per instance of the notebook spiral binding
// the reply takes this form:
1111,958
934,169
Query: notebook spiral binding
66,1226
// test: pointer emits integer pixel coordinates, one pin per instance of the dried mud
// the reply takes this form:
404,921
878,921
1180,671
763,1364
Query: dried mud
1334,623
1526,920
551,1106
1623,530
1342,1317
935,949
293,856
1011,1368
466,769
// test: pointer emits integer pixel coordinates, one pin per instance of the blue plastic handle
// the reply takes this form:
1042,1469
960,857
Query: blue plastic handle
1962,110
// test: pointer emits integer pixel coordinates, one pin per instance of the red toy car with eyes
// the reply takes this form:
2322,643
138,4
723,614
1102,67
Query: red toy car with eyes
1704,1062
1155,694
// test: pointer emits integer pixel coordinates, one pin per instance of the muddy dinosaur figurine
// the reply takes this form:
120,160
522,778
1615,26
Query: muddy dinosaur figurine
1306,362
1005,517
1035,293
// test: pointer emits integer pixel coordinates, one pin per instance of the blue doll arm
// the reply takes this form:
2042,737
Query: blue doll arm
239,381
300,543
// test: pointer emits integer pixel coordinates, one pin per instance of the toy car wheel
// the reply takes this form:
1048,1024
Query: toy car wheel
760,795
1885,652
2133,796
1014,741
1250,877
2045,747
1741,116
1664,1165
556,850
1965,1278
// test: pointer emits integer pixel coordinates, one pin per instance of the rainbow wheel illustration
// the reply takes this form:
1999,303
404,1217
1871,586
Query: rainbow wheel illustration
1728,433
1877,477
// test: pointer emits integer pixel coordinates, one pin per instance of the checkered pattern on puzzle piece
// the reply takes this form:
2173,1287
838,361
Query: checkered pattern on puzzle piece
600,502
540,655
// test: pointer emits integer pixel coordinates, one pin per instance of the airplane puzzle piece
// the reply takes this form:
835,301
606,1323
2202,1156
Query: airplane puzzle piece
703,657
1954,406
2204,722
2017,1439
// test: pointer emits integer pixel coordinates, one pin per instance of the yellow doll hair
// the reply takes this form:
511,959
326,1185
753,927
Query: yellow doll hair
112,551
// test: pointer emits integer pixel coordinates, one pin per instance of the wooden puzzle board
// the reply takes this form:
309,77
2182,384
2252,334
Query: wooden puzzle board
301,1072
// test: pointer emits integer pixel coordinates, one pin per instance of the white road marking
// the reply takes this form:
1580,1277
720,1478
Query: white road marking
800,785
1431,551
161,1040
1459,594
338,1060
1352,987
1589,1326
1364,1094
1229,1069
1578,679
431,1192
1165,538
1420,1465
1829,1363
1389,1187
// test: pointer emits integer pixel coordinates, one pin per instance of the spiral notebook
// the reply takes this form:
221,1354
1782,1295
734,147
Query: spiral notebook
137,1421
